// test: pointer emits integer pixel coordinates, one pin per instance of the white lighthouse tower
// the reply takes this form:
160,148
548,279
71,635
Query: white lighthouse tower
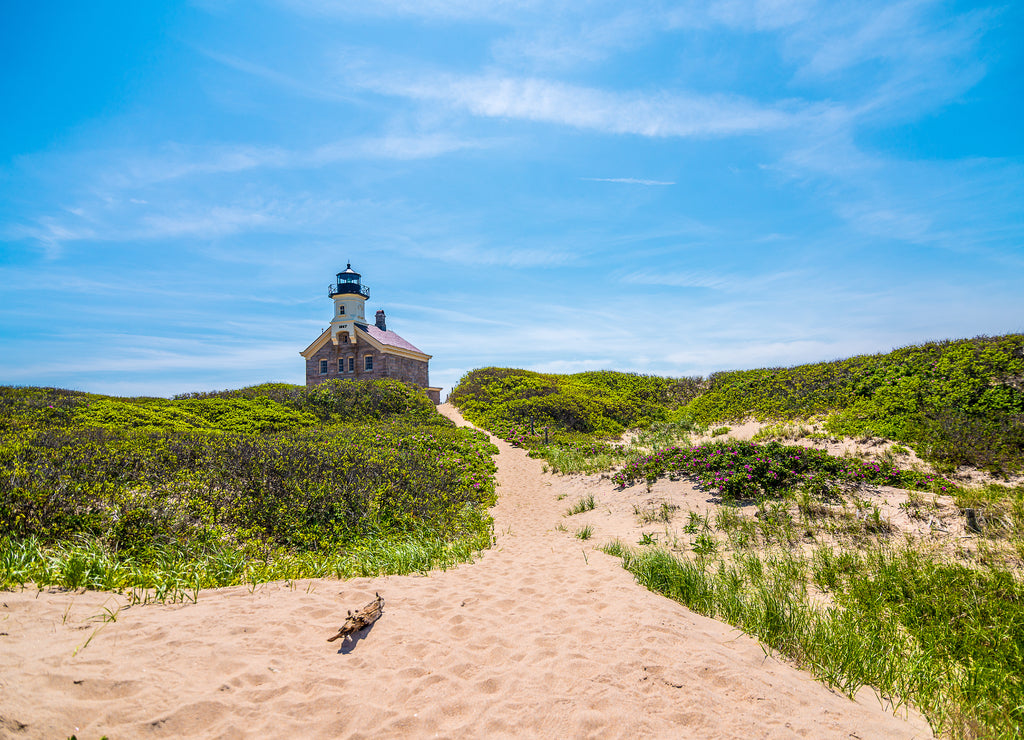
349,296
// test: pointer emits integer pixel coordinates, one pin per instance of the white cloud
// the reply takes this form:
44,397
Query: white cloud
711,281
682,279
496,255
296,85
425,146
50,234
898,33
112,220
961,205
123,170
574,366
666,114
494,10
145,354
447,315
627,180
567,42
217,221
707,357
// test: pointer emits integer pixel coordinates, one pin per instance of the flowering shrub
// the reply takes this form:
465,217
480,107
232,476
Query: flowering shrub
749,470
262,475
515,436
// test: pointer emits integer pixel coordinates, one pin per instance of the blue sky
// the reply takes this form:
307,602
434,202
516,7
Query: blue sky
662,187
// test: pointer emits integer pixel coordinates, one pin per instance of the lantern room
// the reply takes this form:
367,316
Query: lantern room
348,282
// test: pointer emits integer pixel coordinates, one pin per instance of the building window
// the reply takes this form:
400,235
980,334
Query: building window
369,363
323,367
341,366
351,364
341,310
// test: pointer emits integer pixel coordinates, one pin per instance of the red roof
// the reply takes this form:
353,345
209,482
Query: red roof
389,338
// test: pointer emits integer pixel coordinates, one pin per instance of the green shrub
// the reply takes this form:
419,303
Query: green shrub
961,402
312,471
340,401
521,402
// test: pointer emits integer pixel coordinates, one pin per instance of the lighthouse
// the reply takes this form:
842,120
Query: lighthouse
353,349
350,296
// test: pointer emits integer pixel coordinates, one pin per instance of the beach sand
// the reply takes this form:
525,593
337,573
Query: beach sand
543,636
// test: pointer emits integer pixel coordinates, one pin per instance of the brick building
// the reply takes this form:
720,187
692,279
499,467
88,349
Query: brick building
352,348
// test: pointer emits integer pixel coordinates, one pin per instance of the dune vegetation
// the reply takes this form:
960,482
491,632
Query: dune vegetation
521,404
268,482
162,497
954,402
798,551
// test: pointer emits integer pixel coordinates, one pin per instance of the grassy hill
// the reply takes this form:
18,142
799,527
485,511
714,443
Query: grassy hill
604,403
958,402
954,402
210,489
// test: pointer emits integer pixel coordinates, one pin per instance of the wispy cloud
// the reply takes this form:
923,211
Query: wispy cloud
573,366
134,354
297,85
895,33
711,356
712,281
448,315
496,255
746,15
567,42
113,220
217,221
682,279
172,161
960,205
662,114
116,222
494,10
628,180
49,233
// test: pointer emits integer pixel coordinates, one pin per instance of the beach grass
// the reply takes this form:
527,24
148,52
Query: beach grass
817,573
584,504
176,574
586,457
946,638
585,533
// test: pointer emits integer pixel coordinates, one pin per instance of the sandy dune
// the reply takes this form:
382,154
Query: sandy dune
542,637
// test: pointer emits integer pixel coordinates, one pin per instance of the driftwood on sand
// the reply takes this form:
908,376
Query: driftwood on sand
360,618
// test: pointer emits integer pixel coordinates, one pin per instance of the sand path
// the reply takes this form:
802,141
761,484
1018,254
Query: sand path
543,636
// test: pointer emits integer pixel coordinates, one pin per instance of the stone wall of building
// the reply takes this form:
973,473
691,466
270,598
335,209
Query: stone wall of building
407,369
384,365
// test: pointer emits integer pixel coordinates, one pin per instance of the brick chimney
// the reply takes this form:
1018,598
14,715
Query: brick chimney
381,324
